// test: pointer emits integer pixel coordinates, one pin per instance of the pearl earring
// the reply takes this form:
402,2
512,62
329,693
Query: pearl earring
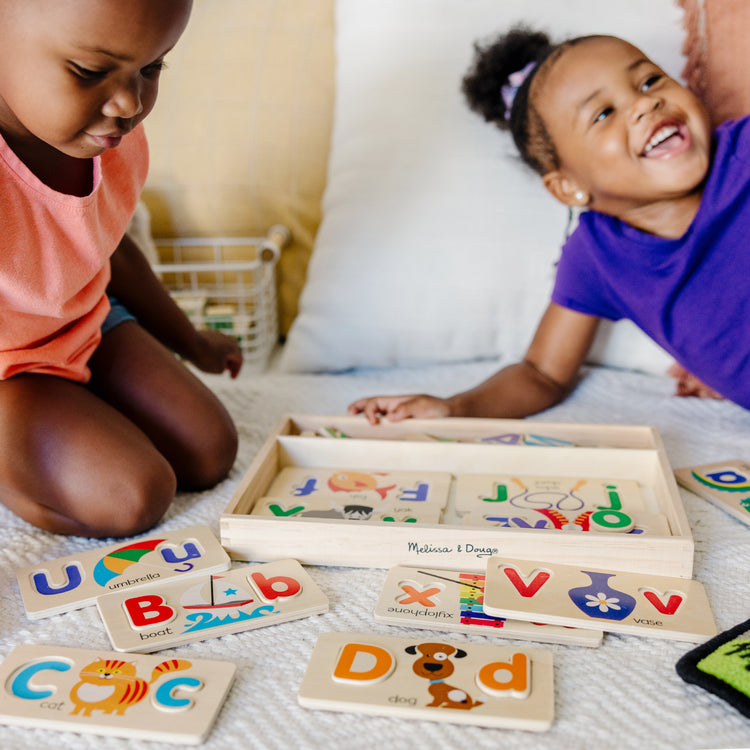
580,196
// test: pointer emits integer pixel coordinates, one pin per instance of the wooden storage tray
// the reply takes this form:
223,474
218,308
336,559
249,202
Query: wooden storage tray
598,451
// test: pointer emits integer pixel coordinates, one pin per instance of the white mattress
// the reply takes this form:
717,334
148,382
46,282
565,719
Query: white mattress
625,694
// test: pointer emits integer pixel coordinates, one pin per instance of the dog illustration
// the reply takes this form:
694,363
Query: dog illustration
435,665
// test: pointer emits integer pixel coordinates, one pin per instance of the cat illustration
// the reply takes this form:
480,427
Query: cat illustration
111,685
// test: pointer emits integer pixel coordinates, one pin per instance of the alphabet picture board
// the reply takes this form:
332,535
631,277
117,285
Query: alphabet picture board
75,581
431,679
453,600
568,503
357,495
91,691
726,484
209,606
586,597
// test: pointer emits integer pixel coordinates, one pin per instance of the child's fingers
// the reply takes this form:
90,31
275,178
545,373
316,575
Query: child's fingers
398,408
689,385
424,407
234,363
404,410
356,407
378,407
375,406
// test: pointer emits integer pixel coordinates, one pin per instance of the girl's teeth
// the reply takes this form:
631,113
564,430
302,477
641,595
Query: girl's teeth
660,136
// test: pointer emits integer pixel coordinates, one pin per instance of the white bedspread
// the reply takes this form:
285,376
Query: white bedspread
625,694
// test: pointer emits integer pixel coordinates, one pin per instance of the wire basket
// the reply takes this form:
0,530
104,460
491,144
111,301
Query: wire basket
227,284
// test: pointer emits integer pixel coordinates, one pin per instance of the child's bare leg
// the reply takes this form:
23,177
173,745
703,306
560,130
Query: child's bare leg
186,422
74,465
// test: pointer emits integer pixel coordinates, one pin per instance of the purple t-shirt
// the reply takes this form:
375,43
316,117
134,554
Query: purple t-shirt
692,294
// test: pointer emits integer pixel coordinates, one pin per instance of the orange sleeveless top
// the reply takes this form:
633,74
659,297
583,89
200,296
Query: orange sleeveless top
54,259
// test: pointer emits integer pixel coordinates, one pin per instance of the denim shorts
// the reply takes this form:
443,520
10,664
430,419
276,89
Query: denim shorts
117,314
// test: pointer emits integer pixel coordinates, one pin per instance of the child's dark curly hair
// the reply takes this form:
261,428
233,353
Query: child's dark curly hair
493,64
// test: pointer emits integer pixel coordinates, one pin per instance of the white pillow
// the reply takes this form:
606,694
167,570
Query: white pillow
436,243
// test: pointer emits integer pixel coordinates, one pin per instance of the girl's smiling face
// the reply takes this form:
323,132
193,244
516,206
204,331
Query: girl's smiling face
77,75
627,136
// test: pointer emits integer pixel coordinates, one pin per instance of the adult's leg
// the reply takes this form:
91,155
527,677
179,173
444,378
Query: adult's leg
71,464
186,422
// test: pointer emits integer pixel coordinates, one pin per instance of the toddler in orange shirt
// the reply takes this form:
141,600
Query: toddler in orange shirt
99,421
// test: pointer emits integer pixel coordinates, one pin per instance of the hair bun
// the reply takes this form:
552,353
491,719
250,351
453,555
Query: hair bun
493,65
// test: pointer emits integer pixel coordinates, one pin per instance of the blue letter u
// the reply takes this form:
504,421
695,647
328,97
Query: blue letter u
73,576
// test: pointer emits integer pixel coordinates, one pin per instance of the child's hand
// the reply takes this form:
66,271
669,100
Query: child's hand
689,385
396,408
216,352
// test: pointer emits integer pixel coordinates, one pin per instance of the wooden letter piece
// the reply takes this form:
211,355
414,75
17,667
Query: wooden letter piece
725,484
613,601
72,582
611,504
575,522
453,600
410,490
210,606
467,683
98,692
330,510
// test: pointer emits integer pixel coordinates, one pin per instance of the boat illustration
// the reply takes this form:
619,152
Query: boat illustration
210,595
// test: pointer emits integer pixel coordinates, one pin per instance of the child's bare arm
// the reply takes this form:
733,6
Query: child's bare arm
135,284
543,378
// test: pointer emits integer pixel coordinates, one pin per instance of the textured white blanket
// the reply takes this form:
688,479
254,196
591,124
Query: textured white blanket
624,694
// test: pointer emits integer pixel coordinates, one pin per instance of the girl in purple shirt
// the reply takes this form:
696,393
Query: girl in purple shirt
661,241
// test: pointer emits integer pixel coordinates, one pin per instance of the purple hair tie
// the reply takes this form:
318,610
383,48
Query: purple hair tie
515,81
